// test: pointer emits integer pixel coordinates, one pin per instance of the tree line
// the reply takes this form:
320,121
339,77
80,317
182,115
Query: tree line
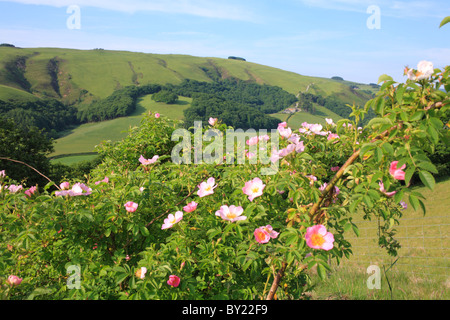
237,103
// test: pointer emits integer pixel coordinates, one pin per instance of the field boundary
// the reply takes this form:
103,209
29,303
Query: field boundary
423,253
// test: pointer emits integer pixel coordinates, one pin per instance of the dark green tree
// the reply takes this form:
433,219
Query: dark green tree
25,148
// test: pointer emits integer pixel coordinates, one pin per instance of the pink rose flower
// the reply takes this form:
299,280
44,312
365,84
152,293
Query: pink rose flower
253,188
31,191
14,280
231,213
64,186
397,173
13,188
206,188
140,273
148,161
425,70
317,237
105,180
172,219
157,115
332,136
190,207
389,194
173,281
252,141
212,121
264,234
131,206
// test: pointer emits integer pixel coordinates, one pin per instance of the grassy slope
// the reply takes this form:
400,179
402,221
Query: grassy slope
421,271
86,75
102,71
7,93
87,136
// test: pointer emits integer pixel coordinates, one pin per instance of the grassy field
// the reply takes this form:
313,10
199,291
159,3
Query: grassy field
295,120
85,137
86,74
422,270
7,93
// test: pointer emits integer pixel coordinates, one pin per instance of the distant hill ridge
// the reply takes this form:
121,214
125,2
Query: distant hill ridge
78,77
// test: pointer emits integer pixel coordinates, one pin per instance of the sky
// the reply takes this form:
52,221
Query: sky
358,40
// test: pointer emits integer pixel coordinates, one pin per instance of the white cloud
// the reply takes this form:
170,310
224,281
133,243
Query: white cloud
202,8
397,9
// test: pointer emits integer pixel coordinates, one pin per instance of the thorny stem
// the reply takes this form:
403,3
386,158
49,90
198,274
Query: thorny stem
314,209
3,158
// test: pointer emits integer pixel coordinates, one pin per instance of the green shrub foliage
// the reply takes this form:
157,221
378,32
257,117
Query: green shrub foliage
107,238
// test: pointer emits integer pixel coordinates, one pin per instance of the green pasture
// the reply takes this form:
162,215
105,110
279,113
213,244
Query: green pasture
10,93
85,137
422,269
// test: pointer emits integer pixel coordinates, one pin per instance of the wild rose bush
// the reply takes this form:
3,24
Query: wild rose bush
143,227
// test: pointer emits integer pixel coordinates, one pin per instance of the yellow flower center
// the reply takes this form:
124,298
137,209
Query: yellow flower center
231,215
255,189
260,235
317,240
208,188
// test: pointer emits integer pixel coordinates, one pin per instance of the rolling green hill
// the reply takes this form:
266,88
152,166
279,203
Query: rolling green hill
79,77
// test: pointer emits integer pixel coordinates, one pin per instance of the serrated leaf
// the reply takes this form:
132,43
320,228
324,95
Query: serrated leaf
434,135
387,148
444,21
379,121
423,207
427,166
417,116
408,174
414,202
384,77
321,271
355,230
427,179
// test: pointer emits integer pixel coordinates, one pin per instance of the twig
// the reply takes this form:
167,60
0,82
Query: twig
8,159
276,281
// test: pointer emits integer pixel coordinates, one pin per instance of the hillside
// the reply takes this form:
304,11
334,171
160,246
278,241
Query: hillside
80,76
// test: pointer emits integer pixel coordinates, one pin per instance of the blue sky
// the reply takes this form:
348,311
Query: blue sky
322,38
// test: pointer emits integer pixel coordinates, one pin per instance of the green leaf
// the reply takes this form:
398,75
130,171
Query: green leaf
354,204
379,106
417,116
355,229
427,179
379,121
144,231
398,196
399,93
427,166
434,135
423,207
408,174
387,148
384,77
444,21
414,202
378,154
368,201
321,271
